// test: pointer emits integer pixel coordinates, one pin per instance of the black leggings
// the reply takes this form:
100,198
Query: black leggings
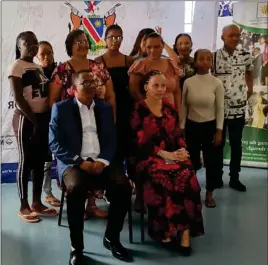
33,152
199,136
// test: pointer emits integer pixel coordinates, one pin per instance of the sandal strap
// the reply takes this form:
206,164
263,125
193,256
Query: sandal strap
31,216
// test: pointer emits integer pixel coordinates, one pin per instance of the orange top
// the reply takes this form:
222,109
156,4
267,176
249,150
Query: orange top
140,67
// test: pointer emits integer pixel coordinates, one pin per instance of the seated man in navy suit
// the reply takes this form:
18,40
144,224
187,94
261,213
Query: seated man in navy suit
82,136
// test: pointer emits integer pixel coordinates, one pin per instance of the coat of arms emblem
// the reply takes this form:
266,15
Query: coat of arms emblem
93,25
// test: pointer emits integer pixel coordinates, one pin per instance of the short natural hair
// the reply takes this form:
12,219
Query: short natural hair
200,50
229,26
69,42
77,74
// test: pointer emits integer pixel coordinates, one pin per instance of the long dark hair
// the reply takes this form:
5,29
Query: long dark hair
113,27
179,36
22,36
137,44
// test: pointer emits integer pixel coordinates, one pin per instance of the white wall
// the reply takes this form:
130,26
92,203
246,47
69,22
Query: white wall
205,24
222,22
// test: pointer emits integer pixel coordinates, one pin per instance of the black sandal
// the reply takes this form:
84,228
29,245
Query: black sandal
170,245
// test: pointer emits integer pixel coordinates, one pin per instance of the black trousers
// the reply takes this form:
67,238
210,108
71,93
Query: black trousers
235,131
199,136
33,152
118,192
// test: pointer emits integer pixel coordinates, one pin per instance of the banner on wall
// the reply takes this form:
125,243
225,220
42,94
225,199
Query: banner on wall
91,16
252,18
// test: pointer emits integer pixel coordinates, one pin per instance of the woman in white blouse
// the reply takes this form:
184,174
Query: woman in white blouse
202,118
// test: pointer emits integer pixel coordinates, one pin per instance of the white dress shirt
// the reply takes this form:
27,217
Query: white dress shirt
90,140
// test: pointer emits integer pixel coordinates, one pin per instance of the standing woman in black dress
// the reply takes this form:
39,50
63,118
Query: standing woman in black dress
118,65
45,56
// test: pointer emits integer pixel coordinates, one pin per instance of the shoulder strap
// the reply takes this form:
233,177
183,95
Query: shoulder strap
126,61
70,66
103,61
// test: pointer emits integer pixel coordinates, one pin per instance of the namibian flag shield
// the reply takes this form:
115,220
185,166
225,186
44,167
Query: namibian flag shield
93,26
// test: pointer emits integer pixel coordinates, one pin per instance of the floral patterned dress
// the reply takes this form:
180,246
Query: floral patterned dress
171,191
188,66
63,75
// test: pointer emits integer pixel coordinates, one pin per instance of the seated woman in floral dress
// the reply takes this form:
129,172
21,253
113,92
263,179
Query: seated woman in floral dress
170,187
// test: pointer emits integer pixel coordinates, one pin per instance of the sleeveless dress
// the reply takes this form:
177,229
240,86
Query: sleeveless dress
124,107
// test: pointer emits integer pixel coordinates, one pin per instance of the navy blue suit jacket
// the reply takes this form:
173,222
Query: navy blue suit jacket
65,133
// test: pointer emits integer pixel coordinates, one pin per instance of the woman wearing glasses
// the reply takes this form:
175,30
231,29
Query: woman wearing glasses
77,47
118,65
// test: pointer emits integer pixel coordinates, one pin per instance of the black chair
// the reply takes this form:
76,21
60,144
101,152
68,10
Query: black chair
130,220
61,205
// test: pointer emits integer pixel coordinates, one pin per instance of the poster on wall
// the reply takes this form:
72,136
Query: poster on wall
252,18
225,9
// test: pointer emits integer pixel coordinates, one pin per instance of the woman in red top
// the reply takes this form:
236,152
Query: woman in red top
170,186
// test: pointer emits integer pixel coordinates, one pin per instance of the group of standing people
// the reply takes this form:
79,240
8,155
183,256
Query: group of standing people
165,110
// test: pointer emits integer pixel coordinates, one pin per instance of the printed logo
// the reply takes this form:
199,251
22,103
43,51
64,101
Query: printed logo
92,24
8,142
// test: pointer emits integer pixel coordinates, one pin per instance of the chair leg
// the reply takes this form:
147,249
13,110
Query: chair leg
142,216
61,206
130,226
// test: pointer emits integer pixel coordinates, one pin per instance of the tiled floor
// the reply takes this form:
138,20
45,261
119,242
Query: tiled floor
236,232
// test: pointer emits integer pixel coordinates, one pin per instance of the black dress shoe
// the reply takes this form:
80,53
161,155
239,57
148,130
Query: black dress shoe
237,185
76,258
117,250
171,245
186,251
